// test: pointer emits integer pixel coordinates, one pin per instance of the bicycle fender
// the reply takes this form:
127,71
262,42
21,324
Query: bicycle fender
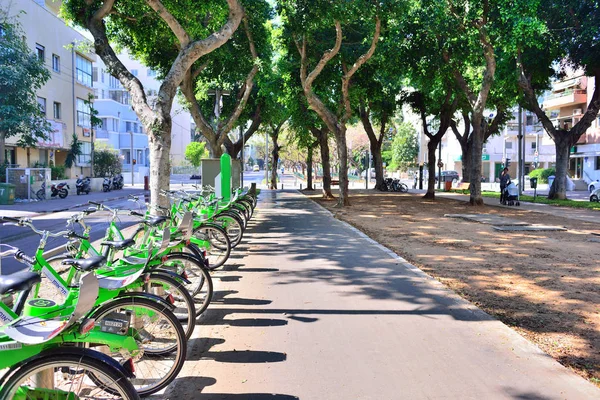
165,272
150,296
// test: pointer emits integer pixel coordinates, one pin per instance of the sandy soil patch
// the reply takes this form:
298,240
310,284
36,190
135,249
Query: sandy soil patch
546,285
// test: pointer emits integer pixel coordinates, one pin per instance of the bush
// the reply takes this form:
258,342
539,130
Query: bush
106,163
58,172
542,174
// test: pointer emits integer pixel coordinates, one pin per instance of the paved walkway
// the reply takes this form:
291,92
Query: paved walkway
309,308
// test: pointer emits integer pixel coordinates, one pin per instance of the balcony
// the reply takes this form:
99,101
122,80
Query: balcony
567,98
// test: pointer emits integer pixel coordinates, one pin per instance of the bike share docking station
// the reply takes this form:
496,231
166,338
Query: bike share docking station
222,173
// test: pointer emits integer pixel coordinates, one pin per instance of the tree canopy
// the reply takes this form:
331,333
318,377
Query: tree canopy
22,74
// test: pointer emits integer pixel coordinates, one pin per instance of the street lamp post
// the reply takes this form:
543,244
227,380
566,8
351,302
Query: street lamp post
131,157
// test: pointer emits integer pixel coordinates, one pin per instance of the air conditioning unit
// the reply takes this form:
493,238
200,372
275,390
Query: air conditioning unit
577,111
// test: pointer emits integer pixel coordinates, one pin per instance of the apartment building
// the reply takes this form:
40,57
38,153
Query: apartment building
120,126
63,96
566,104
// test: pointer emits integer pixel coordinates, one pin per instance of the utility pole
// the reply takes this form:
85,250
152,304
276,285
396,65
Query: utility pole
520,158
131,158
243,161
439,165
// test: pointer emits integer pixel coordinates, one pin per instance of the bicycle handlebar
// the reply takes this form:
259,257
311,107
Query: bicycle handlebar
18,254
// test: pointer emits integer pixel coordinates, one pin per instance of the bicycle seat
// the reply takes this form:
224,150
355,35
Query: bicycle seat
18,282
119,244
85,264
155,220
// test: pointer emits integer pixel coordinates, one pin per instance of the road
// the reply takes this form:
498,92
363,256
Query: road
26,240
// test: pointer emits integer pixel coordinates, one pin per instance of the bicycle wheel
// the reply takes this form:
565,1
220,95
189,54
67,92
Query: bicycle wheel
248,204
233,226
216,244
66,375
185,309
201,286
403,188
159,335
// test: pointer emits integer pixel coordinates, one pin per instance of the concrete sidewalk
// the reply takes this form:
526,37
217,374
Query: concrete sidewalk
34,208
310,308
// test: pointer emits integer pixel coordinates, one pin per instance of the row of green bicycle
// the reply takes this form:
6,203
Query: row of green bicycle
113,321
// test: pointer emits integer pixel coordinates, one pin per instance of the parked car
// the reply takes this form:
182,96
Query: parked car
593,186
453,174
255,168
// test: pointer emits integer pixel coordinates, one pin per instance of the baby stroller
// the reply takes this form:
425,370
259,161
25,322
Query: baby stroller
511,195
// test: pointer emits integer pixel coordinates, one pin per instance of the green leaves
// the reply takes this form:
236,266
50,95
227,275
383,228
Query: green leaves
21,75
195,152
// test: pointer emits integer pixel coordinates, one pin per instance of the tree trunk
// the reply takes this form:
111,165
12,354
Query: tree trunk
375,145
476,151
275,155
214,149
326,162
159,142
309,169
562,144
431,164
2,148
342,150
378,161
466,160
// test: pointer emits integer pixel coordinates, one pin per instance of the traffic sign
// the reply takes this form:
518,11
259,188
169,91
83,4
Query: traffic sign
440,164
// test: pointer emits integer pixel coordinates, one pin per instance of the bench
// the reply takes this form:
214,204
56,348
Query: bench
464,187
335,182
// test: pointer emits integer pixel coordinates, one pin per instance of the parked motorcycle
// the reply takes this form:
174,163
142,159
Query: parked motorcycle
83,185
61,190
118,182
393,185
107,184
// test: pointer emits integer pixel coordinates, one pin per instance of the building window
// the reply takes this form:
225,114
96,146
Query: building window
102,75
83,68
134,72
508,145
41,52
57,112
127,126
597,162
83,114
533,145
102,92
86,151
151,73
42,103
55,63
95,74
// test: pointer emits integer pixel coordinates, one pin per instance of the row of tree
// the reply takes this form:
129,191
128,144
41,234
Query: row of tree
318,65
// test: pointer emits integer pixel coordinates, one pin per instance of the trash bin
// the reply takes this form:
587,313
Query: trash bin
550,180
448,183
533,182
7,193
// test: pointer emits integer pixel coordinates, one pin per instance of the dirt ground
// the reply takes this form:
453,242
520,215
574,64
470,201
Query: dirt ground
545,285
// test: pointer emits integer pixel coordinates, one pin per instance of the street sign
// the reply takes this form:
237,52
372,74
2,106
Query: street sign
440,164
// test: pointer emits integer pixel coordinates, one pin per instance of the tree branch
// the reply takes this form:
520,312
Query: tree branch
187,88
327,56
188,55
176,28
247,87
103,11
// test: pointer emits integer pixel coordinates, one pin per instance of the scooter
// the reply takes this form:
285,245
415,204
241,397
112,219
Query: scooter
61,190
107,184
83,185
117,182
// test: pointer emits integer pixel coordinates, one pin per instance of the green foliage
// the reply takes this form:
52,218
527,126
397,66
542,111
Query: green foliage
542,174
106,163
21,75
58,172
74,151
195,152
405,148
